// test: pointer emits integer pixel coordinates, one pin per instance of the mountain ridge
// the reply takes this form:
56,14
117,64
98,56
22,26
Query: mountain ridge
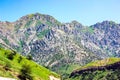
53,44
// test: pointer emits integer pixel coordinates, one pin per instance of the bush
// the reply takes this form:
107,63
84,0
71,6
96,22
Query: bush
25,73
19,59
29,57
11,55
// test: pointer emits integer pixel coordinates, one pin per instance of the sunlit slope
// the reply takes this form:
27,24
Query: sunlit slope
16,66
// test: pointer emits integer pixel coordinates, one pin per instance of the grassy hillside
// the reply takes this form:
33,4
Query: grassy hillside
65,70
104,62
108,69
13,65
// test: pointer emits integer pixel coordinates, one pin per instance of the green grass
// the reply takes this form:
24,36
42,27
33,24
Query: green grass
19,49
49,23
28,23
17,27
42,33
99,75
26,35
38,22
30,15
102,62
6,40
38,72
88,29
65,69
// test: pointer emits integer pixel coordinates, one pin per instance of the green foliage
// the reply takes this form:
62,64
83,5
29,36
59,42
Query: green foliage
27,35
28,23
38,22
111,23
14,68
1,46
30,15
91,30
99,74
42,33
7,66
21,43
29,57
88,29
20,59
58,23
57,57
19,49
11,55
71,54
17,27
101,62
6,40
25,73
65,69
49,23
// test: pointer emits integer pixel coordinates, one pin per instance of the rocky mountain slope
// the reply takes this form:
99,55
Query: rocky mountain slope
61,46
108,69
107,37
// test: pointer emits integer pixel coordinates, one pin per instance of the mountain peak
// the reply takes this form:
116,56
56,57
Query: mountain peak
74,21
38,17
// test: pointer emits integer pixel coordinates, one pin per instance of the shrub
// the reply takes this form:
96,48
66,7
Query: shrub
11,55
25,73
19,59
29,57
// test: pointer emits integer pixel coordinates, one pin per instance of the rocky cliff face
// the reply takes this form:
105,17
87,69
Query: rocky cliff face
54,44
106,38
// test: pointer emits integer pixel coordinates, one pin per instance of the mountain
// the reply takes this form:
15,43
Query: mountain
106,36
15,66
61,46
108,69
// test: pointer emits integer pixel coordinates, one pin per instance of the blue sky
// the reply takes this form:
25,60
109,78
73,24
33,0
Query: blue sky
87,12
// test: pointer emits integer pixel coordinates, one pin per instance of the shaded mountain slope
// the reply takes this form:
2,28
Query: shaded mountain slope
100,70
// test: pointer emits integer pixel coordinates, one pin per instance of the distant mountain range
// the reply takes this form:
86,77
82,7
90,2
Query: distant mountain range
58,46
